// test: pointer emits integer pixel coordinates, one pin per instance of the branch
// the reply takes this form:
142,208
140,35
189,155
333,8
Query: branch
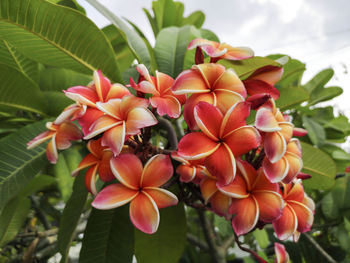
228,242
239,244
172,137
319,248
197,242
41,216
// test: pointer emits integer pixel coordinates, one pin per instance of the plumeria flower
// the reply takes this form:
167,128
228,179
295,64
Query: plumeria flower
100,90
297,216
122,117
98,160
222,139
139,186
282,255
262,81
163,99
210,83
277,131
219,202
60,136
190,170
220,51
288,167
254,198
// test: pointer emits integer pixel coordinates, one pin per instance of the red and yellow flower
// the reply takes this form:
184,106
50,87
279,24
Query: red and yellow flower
139,186
211,83
222,139
60,135
282,255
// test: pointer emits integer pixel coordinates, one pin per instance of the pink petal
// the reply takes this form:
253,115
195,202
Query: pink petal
237,53
111,107
256,86
208,119
127,168
189,81
157,171
102,124
144,213
287,224
275,146
198,42
166,105
161,197
164,82
281,254
102,85
82,95
295,166
236,189
51,150
269,74
139,118
114,195
234,118
114,138
277,171
87,161
242,140
299,132
90,116
265,120
90,179
287,130
42,137
304,215
117,91
67,132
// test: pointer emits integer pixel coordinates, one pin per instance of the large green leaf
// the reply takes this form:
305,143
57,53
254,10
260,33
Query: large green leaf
320,165
11,57
246,67
196,18
57,101
171,46
168,243
71,215
108,237
134,41
291,96
17,164
319,80
56,35
316,132
15,88
324,94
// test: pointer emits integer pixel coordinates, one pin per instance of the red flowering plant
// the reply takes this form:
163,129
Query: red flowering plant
200,129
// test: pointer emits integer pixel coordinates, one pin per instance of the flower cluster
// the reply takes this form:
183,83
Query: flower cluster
246,171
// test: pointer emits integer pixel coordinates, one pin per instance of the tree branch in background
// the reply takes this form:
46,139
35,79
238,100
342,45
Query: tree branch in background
319,248
172,137
257,257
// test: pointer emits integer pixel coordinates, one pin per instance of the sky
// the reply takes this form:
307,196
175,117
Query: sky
317,32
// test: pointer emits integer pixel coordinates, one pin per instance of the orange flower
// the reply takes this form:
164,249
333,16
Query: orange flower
163,99
221,51
210,83
254,198
222,138
281,253
60,136
99,161
141,188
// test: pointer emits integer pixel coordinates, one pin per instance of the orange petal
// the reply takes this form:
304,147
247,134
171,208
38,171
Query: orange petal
256,86
287,130
104,168
130,102
246,214
304,215
161,197
299,132
196,145
187,173
142,69
144,213
248,172
102,124
295,192
178,158
261,183
230,81
95,147
82,95
295,166
51,150
188,111
220,203
269,74
90,116
281,254
157,171
87,161
164,82
208,188
42,137
210,72
199,42
139,118
222,164
265,120
189,81
147,87
277,171
111,107
287,224
67,132
127,168
294,147
166,105
234,118
102,85
270,205
208,119
226,99
275,146
242,140
113,196
237,53
236,189
70,111
117,91
90,179
114,138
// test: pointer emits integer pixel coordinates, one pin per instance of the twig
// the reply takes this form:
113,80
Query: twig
239,244
228,242
172,137
197,242
319,248
41,216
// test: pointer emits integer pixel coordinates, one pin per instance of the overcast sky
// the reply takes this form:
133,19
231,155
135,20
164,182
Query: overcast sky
316,32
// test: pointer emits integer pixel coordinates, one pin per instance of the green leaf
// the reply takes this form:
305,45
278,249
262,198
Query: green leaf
70,216
316,132
329,208
291,96
12,218
319,80
196,18
58,79
135,42
38,183
261,237
246,67
15,87
108,237
324,94
17,164
67,162
72,4
340,123
168,243
208,34
56,35
171,46
151,21
11,57
320,166
57,101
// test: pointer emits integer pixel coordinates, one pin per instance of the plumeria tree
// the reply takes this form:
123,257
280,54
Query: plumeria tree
189,151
